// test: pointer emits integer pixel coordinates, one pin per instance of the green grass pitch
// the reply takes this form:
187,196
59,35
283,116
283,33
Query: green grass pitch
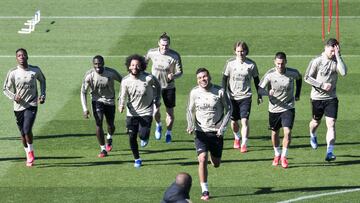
203,32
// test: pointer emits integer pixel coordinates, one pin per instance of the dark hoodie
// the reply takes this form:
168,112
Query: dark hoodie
176,194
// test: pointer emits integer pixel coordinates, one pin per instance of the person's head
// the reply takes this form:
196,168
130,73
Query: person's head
98,63
330,47
21,56
135,64
241,49
164,43
203,77
280,61
184,180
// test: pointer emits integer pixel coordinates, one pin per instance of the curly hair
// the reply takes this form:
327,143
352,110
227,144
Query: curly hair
137,57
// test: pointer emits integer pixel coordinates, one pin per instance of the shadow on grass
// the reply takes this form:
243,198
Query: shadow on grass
80,164
44,137
39,158
327,164
272,190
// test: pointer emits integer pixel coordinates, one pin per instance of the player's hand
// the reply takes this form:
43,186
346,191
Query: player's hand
220,132
42,99
17,98
86,114
271,92
121,109
326,86
337,50
259,99
170,76
190,130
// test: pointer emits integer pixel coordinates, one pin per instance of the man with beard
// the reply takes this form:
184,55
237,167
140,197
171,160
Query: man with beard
100,81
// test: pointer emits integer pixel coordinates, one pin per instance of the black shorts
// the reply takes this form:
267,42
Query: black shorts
169,97
100,109
208,141
283,119
241,109
25,120
139,124
327,107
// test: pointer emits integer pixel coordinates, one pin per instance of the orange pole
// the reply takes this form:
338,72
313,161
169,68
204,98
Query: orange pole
330,12
337,21
322,20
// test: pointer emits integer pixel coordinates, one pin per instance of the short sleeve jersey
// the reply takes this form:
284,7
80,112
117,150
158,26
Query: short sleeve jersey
240,75
138,94
23,82
283,85
101,85
164,64
322,70
209,106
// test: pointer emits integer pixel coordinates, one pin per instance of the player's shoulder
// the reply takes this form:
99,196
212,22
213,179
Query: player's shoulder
152,50
112,70
250,61
270,71
173,53
230,60
34,68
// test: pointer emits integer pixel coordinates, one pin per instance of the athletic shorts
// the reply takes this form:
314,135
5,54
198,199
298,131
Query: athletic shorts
328,107
208,141
25,120
283,119
169,97
241,109
139,124
100,109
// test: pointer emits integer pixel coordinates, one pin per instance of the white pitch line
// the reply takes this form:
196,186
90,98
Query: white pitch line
176,17
320,195
183,56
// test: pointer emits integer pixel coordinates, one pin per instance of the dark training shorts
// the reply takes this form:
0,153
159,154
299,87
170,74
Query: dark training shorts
25,120
282,119
100,109
208,141
241,109
169,97
328,107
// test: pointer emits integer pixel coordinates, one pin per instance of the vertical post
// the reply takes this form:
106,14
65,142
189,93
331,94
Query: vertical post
330,15
322,20
337,21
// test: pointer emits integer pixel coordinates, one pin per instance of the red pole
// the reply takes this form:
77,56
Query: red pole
337,21
330,12
322,20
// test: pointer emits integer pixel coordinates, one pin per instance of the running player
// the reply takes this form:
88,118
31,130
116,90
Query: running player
166,67
322,74
279,82
20,86
237,76
100,81
139,92
208,113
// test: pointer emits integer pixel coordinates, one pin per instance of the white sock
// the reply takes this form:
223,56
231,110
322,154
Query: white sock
237,135
277,151
204,187
244,140
26,150
158,124
168,132
284,152
330,148
102,147
312,134
108,136
30,147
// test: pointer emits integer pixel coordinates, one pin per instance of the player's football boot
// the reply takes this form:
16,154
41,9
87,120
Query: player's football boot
243,149
236,144
144,143
284,162
313,142
167,138
205,196
138,163
109,145
330,157
158,131
103,154
276,160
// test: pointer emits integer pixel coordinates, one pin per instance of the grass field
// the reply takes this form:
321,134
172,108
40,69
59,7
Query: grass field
203,32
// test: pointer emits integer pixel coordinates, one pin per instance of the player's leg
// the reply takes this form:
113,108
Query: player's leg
132,124
245,108
202,153
29,119
169,97
98,112
287,122
110,119
274,126
235,116
317,113
144,130
331,110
